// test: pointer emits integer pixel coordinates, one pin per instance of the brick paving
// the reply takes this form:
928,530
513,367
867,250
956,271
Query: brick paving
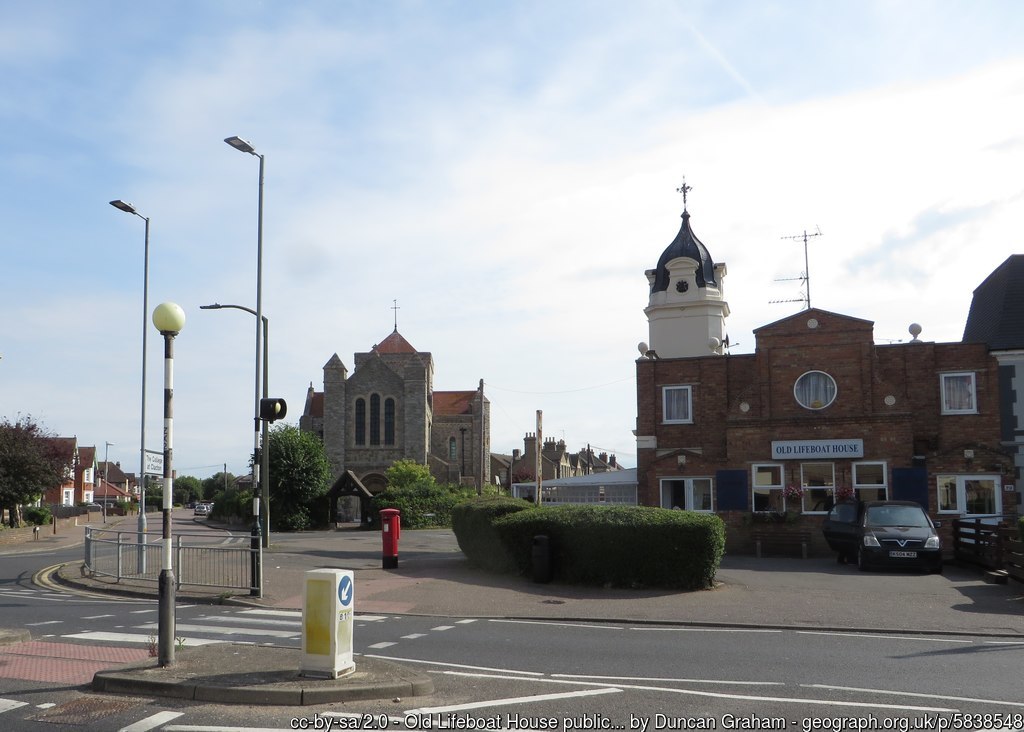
64,663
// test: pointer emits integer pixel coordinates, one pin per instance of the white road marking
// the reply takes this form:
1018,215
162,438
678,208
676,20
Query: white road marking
45,622
224,630
384,644
884,637
46,705
512,701
140,612
443,627
455,665
96,617
567,625
941,697
7,705
1004,643
265,621
689,629
281,613
467,620
678,681
133,638
716,694
151,722
414,636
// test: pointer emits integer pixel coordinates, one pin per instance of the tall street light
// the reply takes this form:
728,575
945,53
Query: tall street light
243,146
265,453
128,208
169,319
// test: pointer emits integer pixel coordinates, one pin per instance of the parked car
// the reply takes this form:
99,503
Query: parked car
201,509
883,533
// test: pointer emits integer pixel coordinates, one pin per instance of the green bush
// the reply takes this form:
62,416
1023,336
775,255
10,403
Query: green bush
625,546
423,505
473,525
37,515
232,503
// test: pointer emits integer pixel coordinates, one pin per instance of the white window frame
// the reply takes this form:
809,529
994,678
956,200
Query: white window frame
770,487
883,486
946,409
815,406
960,480
666,494
808,488
685,388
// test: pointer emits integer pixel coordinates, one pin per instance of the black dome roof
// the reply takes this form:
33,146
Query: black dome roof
685,245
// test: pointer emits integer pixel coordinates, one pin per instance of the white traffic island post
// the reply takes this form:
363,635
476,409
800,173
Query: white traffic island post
328,607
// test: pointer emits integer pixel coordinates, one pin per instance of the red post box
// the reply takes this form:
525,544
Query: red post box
390,528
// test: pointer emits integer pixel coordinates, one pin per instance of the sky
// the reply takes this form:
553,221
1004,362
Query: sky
503,173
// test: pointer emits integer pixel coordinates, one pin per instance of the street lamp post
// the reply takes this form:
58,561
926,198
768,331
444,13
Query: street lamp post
265,452
244,146
129,208
106,480
169,319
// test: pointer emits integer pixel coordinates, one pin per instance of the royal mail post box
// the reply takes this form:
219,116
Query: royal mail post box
390,529
328,607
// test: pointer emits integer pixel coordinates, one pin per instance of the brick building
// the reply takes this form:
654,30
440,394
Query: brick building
817,412
387,410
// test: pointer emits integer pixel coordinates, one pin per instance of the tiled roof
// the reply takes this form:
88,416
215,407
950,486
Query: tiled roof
453,402
997,310
394,343
315,405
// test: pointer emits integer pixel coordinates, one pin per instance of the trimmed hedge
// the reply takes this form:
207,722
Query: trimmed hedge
473,525
624,546
422,506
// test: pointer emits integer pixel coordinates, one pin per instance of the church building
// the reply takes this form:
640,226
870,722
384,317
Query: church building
819,412
387,410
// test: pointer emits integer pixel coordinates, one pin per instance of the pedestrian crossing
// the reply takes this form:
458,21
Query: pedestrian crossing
257,625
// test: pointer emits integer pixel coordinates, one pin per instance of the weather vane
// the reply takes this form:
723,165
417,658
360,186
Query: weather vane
396,308
684,189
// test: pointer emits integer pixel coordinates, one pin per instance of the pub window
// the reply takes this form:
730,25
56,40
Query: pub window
360,421
818,481
676,402
958,393
869,482
767,487
375,419
691,494
970,495
815,390
389,421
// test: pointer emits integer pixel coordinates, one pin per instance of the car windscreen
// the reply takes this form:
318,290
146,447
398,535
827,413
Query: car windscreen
896,516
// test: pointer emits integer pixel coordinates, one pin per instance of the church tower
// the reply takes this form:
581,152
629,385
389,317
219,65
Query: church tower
687,310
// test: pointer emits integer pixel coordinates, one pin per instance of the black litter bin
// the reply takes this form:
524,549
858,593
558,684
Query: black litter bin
541,559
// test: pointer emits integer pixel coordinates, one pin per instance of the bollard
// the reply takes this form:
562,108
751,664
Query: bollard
390,528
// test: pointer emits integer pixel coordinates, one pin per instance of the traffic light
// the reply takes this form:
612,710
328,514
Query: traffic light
272,409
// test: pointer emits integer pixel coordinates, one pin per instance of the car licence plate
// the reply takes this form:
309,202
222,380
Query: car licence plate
903,555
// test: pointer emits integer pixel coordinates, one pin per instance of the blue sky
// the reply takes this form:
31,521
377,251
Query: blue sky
506,171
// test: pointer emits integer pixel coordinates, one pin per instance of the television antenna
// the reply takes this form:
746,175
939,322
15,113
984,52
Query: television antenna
805,276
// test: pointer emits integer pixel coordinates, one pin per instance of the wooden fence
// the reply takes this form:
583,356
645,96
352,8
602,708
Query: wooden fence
994,546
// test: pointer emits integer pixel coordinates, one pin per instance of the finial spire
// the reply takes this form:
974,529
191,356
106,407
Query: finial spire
684,189
396,308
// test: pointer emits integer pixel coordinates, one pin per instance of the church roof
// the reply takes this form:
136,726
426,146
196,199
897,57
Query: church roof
685,245
453,402
394,343
997,310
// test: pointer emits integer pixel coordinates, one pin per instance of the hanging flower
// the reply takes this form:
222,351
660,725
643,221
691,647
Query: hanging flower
793,490
844,493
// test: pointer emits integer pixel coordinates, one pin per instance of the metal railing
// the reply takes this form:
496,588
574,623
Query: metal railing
228,564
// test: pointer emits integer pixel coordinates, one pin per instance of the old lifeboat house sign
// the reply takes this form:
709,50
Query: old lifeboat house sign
817,449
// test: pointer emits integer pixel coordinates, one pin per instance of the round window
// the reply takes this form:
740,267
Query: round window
815,390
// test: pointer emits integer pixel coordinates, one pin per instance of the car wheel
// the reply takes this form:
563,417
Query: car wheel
862,564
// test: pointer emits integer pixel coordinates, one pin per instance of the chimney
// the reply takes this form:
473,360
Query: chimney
611,461
516,452
603,457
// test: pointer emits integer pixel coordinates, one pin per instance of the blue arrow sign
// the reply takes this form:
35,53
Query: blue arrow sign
345,590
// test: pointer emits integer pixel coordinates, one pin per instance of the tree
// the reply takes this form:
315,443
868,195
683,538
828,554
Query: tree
300,476
217,483
31,461
405,474
187,489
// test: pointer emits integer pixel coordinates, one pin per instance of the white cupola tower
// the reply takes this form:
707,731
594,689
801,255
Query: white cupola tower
687,310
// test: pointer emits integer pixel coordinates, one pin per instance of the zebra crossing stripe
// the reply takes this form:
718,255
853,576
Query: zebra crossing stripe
7,705
151,722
